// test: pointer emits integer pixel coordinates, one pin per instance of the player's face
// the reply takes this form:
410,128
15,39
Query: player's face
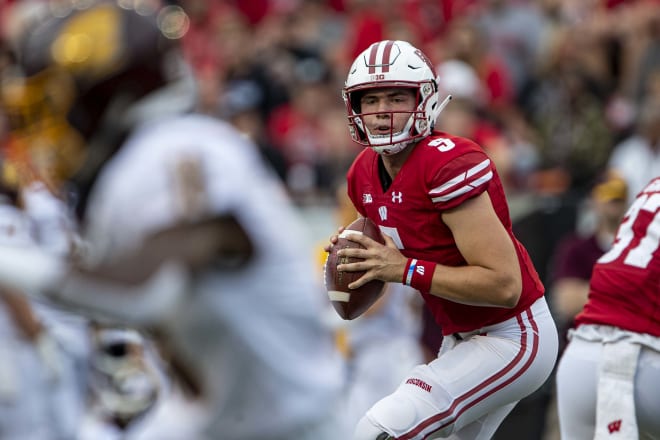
386,111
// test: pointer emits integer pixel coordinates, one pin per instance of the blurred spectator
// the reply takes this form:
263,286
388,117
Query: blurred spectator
467,116
467,42
297,129
567,106
249,76
577,252
637,157
513,32
249,121
366,25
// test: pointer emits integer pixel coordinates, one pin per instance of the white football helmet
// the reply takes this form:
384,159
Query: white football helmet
388,64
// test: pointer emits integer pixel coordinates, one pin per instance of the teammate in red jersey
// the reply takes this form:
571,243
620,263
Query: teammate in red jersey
440,202
608,377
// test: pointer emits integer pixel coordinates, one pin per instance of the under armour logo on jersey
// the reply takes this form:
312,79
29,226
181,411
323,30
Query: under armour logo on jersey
397,197
382,56
366,198
382,211
615,426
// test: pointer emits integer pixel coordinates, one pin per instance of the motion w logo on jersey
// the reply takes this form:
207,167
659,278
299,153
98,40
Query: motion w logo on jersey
382,211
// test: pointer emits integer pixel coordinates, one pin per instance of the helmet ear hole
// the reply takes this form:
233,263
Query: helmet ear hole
355,98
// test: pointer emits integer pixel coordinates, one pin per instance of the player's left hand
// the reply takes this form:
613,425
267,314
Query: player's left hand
379,262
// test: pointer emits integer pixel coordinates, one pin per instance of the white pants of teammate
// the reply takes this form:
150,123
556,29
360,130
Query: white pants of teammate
474,383
578,384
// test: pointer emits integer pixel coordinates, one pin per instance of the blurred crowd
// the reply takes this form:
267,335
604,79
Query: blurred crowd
558,93
554,90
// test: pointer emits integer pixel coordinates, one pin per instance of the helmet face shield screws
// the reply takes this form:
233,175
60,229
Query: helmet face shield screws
392,65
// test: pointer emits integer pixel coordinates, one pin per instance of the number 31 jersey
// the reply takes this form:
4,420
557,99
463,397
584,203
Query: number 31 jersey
625,282
441,173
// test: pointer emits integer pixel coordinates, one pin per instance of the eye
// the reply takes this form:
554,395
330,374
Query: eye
368,100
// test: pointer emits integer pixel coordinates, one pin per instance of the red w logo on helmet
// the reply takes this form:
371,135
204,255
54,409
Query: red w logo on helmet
385,61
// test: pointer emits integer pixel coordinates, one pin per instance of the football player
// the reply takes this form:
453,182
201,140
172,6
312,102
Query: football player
439,201
187,234
608,376
40,392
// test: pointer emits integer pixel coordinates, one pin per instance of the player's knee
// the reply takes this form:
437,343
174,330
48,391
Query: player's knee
366,430
395,413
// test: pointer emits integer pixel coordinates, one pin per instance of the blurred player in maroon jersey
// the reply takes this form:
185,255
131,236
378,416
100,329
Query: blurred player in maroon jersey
608,381
440,201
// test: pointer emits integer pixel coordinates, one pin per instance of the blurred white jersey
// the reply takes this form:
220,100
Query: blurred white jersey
40,396
254,334
53,227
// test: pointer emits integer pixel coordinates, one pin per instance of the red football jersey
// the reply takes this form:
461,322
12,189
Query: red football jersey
625,283
441,172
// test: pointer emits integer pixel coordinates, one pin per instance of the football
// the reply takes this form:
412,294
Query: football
351,303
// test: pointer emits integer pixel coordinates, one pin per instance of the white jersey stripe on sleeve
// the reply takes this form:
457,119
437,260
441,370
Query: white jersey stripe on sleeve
448,184
461,177
465,188
480,166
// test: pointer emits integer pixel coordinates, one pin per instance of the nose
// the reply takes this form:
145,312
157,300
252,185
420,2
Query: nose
384,109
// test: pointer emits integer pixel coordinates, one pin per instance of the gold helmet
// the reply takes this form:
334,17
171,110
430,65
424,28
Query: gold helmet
78,76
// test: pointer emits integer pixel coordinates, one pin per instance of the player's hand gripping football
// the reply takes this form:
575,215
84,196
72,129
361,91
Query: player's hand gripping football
379,262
